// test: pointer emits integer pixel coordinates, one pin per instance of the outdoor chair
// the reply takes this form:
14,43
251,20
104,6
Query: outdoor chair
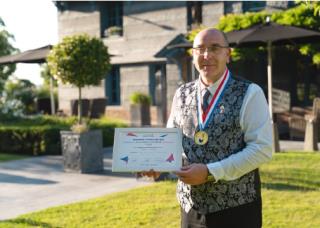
85,107
297,127
97,107
298,118
43,105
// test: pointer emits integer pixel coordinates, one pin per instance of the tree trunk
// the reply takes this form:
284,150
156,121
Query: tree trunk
80,107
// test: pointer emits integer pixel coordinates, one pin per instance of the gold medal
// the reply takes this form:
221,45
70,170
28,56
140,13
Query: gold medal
201,138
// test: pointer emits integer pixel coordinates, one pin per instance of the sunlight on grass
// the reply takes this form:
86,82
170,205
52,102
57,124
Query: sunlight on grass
291,198
152,206
9,157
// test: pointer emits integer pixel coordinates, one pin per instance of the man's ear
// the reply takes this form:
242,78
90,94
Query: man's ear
229,56
229,60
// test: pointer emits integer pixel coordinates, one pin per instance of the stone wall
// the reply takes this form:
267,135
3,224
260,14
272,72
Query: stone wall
123,113
81,18
66,93
211,13
147,28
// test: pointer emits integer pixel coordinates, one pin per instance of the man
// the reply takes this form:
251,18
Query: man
226,137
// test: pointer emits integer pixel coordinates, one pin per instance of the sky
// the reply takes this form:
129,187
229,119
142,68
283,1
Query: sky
34,23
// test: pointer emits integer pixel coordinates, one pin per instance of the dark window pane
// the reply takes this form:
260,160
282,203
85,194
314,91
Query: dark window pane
253,6
194,14
111,14
112,86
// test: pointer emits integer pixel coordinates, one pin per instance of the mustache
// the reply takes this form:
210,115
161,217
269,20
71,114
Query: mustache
208,64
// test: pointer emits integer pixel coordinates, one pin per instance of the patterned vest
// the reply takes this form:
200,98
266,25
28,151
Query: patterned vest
225,138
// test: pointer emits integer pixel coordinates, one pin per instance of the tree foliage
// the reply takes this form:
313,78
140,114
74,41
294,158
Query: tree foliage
22,90
45,75
233,22
303,15
5,49
81,61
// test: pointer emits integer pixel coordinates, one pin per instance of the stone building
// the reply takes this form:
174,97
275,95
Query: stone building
139,35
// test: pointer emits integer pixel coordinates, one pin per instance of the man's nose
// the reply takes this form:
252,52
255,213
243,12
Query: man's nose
207,54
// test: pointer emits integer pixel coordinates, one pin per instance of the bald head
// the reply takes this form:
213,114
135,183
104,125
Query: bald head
211,33
210,54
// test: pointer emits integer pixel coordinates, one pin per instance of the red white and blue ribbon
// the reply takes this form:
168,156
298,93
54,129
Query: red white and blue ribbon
204,117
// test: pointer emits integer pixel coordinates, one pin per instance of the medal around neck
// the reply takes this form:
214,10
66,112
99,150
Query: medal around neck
204,117
201,138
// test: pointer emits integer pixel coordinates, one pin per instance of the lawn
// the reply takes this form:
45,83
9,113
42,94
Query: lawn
8,157
291,196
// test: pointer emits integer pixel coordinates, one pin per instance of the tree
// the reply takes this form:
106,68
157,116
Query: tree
22,90
5,49
303,16
46,76
79,60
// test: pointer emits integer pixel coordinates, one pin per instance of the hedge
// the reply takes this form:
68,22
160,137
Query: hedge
27,137
34,140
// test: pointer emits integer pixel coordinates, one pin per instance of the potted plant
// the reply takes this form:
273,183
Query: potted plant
81,61
114,31
140,109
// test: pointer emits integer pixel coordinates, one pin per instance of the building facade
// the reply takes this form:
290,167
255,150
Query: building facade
138,36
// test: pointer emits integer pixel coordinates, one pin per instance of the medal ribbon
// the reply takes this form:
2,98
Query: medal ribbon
203,122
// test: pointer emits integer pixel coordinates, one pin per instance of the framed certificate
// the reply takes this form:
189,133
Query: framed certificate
143,149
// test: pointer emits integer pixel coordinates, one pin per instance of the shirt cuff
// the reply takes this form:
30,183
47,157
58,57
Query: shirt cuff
216,170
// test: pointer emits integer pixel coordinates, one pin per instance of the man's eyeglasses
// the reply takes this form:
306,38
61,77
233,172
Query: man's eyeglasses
214,49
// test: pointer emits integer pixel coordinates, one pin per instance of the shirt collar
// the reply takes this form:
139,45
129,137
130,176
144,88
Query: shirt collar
213,87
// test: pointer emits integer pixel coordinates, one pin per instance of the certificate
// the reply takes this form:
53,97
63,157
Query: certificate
143,149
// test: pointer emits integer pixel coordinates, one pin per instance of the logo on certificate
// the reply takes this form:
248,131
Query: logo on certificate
170,158
125,159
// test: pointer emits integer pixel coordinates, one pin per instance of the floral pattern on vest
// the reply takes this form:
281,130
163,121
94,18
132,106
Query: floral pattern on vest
225,138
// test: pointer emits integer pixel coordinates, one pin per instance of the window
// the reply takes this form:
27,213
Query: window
253,6
111,14
152,82
194,14
112,86
157,84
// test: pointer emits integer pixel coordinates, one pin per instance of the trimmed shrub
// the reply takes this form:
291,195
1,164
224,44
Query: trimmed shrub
41,135
33,140
140,98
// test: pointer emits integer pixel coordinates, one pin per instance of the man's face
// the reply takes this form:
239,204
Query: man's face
210,55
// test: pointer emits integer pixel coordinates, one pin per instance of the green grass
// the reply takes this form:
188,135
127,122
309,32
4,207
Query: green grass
291,198
152,206
9,157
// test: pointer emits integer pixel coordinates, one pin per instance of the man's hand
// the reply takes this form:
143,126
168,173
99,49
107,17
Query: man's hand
193,174
153,174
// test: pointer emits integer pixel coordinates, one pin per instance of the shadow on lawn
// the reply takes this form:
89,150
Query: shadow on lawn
29,222
9,178
287,187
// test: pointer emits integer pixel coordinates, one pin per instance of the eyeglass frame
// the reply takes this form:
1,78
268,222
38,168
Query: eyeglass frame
207,49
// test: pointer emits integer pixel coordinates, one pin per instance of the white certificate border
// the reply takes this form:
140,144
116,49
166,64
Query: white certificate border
177,153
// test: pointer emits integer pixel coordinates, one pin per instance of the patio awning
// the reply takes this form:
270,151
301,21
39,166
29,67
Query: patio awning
37,55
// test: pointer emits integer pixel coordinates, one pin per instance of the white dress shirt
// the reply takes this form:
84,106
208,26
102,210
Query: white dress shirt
256,124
